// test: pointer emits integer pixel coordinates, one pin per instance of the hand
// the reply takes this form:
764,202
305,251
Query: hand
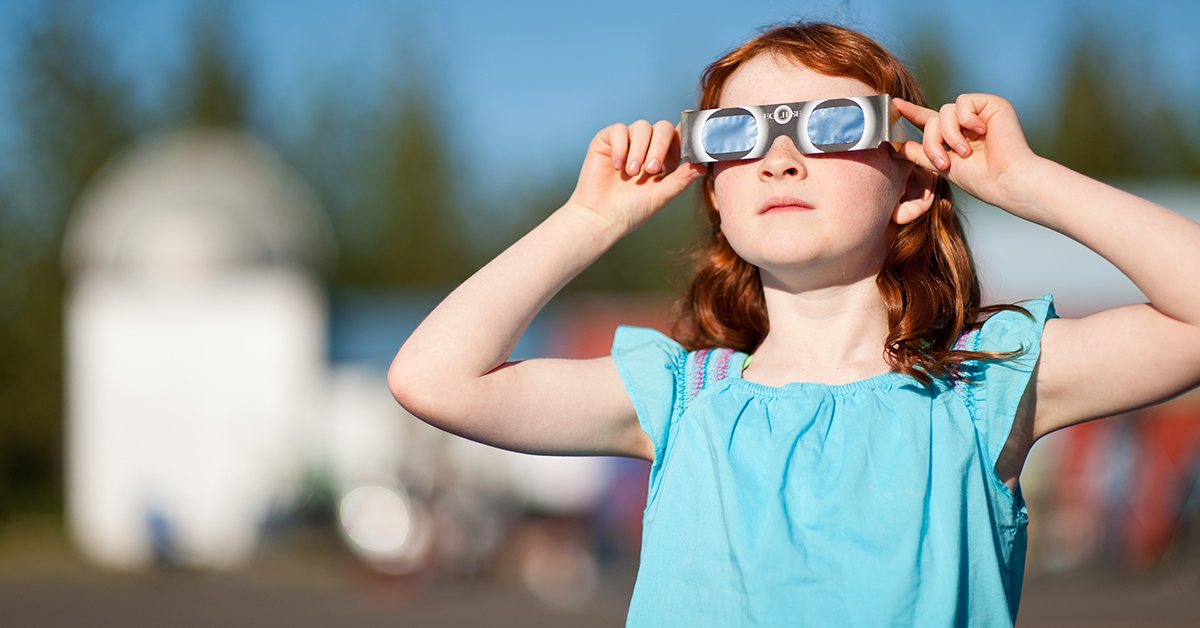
988,154
630,173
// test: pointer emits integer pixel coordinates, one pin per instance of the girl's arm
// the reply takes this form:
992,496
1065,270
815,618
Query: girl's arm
453,371
1113,361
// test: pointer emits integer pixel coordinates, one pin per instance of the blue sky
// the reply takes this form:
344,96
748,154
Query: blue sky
524,84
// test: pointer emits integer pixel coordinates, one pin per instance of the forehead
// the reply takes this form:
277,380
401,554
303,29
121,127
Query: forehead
768,80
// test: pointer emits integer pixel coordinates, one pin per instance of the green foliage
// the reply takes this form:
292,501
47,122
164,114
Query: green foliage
73,116
932,63
651,259
1114,121
386,180
31,391
420,238
215,83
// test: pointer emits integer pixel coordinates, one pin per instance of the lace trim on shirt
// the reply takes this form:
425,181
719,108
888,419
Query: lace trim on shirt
963,388
704,368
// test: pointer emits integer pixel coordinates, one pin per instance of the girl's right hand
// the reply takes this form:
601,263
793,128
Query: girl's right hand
630,173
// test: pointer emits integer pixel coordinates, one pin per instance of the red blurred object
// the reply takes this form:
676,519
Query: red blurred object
1168,446
1118,488
585,327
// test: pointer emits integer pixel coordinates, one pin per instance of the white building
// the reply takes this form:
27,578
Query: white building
195,341
198,386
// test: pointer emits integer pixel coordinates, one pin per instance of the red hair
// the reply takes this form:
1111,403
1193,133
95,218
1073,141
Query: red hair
928,280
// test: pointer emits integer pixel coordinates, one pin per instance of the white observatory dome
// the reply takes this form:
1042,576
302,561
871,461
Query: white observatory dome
195,344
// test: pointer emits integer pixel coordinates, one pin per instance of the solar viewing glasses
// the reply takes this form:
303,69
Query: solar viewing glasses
815,127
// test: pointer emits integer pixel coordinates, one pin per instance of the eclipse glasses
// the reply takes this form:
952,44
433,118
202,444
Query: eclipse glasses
815,127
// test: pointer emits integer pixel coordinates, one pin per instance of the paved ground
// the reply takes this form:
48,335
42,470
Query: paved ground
185,602
313,583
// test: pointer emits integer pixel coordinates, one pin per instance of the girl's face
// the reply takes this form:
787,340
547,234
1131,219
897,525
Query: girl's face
828,216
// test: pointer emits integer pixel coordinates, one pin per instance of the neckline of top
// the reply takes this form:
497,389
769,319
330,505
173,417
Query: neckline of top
738,361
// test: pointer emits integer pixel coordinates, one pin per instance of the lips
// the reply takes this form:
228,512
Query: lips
785,204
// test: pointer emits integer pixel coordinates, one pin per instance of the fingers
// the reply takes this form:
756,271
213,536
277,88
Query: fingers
951,131
640,148
953,127
631,172
639,142
661,141
969,108
961,118
617,138
916,114
929,154
931,145
915,152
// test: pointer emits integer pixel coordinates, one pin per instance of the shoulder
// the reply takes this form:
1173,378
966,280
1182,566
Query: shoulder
651,366
993,387
639,348
1013,338
635,347
1018,329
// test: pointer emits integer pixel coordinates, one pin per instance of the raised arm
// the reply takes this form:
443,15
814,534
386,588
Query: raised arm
1114,361
453,371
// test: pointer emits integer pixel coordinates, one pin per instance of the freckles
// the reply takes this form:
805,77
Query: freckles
873,176
727,186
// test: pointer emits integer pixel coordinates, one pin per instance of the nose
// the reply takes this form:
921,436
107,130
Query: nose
782,160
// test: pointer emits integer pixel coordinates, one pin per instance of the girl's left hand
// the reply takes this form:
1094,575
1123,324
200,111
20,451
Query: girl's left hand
988,153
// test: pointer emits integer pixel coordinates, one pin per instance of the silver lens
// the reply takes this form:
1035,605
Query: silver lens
839,126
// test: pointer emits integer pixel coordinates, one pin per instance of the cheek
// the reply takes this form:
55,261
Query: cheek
868,165
727,182
876,181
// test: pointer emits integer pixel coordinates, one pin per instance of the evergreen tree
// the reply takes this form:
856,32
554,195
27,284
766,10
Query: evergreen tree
932,63
385,178
421,240
215,83
1114,120
73,114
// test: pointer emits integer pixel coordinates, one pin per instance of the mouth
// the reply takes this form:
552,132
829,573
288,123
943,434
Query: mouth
780,204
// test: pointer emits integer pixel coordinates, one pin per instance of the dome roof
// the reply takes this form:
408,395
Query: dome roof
197,199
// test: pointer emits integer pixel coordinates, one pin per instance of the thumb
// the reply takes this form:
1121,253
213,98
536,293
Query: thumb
915,152
675,183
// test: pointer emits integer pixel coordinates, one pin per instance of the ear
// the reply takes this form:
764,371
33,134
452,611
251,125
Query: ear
917,197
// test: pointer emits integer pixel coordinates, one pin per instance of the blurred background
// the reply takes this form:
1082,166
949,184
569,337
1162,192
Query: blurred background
219,220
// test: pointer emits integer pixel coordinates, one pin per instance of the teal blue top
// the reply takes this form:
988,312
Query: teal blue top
874,503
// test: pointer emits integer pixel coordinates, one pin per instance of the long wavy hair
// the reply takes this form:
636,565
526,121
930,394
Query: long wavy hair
928,281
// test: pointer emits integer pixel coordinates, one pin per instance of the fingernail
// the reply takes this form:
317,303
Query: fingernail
618,164
652,165
634,167
940,163
978,130
961,149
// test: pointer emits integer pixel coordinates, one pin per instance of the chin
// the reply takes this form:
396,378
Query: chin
785,253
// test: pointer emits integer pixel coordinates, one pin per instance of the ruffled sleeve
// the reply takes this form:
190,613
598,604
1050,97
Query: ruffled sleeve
998,385
650,365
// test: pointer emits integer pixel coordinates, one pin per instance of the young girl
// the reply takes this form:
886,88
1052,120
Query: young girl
839,437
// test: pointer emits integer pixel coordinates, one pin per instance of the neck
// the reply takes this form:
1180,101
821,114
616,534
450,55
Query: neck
831,335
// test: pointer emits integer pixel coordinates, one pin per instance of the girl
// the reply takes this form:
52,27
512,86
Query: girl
838,439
